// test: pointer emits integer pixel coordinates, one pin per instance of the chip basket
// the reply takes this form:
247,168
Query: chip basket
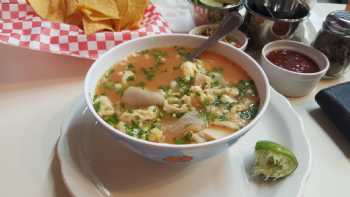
20,26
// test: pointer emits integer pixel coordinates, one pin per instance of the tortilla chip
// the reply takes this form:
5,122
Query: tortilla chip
71,7
93,26
94,16
53,10
123,10
135,13
97,10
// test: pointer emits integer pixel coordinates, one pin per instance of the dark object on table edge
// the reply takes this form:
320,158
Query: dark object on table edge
335,102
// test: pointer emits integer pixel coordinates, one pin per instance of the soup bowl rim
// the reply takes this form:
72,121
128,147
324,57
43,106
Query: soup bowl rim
88,98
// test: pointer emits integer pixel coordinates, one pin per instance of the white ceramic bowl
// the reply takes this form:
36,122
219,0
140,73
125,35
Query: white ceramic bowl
169,152
242,39
289,83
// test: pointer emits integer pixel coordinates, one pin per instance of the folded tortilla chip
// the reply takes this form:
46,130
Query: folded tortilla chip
96,26
123,10
135,13
53,10
97,10
71,7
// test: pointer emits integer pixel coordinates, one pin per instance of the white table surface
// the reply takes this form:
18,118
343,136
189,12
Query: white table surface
37,90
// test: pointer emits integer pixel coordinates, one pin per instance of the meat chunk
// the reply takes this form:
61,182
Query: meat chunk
138,97
190,121
214,133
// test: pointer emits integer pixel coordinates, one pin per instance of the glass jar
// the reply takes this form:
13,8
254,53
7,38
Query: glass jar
334,41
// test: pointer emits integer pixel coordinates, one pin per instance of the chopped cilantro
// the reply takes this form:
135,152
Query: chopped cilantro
112,119
135,130
250,113
97,106
184,84
130,66
149,73
206,101
119,90
246,88
215,83
110,72
131,78
222,117
108,85
182,52
95,97
165,88
217,101
141,84
185,139
158,55
207,116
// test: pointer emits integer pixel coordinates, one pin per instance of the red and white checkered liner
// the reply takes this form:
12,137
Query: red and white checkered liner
20,26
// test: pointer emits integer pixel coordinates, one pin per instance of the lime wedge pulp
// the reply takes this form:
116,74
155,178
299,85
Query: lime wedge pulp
219,3
273,161
211,3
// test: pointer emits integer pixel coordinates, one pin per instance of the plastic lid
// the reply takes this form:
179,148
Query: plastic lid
338,22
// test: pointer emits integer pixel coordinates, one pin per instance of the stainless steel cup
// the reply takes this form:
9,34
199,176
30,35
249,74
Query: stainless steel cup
203,14
263,28
279,8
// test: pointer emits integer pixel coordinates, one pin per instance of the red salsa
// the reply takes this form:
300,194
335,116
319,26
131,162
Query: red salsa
293,61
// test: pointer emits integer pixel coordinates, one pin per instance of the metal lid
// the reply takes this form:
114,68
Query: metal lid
338,22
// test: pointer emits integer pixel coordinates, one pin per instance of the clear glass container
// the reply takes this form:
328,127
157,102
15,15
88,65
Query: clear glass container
334,41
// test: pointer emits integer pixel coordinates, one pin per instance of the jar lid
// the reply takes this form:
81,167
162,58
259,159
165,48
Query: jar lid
338,22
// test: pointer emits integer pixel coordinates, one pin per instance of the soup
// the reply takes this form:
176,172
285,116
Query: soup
159,96
293,61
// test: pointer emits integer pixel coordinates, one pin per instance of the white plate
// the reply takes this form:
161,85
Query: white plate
93,164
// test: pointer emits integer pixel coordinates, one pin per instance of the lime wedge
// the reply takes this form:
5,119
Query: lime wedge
211,3
273,161
219,3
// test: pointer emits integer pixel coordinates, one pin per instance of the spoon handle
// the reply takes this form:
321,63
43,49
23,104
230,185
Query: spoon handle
230,22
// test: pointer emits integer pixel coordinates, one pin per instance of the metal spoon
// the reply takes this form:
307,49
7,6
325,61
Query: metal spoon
230,22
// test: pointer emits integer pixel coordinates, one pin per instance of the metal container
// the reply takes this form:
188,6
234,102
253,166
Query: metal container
204,14
263,28
279,8
334,41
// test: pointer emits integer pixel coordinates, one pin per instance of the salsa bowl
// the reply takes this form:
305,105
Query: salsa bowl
174,153
291,83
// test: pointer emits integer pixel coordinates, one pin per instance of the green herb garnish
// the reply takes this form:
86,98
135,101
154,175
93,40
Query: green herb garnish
184,84
158,55
108,85
246,88
207,116
250,113
131,78
97,106
222,117
112,119
149,73
182,52
185,139
130,66
141,84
